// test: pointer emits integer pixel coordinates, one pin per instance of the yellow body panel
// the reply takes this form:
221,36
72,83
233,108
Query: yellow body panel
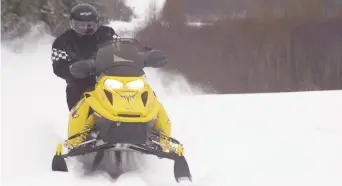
124,101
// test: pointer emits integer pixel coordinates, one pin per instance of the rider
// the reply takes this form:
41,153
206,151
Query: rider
76,45
75,49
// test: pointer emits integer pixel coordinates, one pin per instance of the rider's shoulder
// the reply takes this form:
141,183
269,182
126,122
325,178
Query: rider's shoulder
65,36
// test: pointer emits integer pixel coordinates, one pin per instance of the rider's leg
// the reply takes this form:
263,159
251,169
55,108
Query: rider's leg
74,94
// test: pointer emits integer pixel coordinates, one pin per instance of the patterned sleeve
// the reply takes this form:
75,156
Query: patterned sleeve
61,59
59,55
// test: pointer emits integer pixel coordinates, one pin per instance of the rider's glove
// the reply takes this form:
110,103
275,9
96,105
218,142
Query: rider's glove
82,68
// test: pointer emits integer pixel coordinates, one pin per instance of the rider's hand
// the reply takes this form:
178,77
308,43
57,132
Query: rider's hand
82,68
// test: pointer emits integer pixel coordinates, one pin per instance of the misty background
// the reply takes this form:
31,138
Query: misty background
241,46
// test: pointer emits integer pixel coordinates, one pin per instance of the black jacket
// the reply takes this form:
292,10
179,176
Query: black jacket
69,48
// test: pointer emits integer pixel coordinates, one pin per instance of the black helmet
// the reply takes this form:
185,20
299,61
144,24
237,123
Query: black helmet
84,19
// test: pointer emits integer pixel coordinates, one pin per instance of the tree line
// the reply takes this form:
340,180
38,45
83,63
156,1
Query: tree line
257,48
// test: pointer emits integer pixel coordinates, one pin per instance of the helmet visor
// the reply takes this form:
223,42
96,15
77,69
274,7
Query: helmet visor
84,27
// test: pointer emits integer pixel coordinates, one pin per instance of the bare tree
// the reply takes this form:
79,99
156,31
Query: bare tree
173,12
259,9
305,8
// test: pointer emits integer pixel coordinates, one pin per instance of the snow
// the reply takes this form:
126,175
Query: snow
237,140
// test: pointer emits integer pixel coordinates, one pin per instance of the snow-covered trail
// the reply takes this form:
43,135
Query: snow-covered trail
237,140
242,140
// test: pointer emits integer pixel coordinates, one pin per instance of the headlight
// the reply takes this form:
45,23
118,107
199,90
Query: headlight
135,85
113,84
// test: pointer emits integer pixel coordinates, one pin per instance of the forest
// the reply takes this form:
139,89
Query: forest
253,47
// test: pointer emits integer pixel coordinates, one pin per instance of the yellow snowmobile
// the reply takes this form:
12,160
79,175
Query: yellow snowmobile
121,113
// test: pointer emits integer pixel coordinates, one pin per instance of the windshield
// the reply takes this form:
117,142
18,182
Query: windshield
119,59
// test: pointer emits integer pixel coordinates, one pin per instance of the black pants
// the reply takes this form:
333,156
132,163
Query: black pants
74,92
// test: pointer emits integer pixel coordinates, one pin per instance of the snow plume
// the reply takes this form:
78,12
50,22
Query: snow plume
143,12
33,105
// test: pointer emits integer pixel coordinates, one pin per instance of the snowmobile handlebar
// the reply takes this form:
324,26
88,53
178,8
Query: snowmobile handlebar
133,41
118,40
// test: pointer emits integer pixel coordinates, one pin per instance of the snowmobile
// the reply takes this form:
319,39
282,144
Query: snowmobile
122,113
